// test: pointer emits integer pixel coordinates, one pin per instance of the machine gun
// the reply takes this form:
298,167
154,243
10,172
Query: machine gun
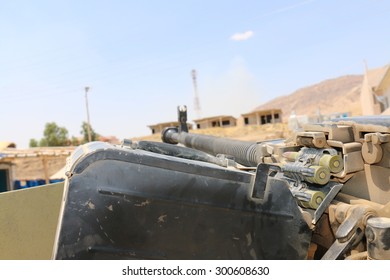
323,194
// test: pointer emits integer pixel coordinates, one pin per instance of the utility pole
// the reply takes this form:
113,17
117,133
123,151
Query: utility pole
88,122
196,97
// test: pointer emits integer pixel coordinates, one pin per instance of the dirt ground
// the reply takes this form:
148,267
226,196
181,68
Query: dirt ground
246,133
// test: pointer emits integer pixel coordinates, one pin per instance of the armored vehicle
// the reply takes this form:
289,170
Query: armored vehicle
322,194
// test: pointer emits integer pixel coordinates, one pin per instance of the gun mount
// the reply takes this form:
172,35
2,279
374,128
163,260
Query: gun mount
323,194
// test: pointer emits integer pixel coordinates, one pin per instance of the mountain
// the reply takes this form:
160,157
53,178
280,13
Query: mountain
330,96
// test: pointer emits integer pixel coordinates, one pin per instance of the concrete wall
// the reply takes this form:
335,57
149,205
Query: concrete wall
260,118
367,100
216,122
7,176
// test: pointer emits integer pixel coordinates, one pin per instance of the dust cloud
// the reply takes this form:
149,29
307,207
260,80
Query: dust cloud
233,93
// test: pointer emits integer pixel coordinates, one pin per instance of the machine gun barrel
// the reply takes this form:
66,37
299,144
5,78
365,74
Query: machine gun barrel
244,152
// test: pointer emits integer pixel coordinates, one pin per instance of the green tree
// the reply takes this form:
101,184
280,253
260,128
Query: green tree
84,131
43,143
33,143
75,141
54,136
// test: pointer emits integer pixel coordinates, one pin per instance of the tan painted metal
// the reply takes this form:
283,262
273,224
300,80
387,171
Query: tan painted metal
28,222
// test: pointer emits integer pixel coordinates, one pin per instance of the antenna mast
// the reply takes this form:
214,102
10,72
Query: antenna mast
196,97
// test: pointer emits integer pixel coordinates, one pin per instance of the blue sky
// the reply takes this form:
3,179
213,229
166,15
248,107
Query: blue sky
137,57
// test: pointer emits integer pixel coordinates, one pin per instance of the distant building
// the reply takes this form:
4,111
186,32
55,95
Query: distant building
158,128
261,117
6,176
6,145
296,122
375,94
216,121
14,173
338,115
7,169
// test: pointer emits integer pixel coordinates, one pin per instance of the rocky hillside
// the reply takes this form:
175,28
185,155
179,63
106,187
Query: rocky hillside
330,96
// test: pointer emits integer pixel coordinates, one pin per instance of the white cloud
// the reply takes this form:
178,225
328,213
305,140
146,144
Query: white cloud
242,36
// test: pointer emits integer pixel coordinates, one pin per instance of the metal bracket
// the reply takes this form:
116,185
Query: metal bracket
334,190
263,171
339,248
182,118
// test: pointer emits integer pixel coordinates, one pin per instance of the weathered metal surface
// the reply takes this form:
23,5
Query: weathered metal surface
235,199
28,222
378,238
124,203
